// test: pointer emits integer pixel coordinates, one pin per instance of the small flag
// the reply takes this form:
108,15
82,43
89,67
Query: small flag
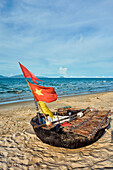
28,74
45,109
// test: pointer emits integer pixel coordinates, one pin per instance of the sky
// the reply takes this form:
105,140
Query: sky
70,38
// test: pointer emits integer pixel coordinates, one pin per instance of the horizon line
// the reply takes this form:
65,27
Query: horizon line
60,76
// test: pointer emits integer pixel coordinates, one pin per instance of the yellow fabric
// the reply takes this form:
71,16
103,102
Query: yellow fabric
45,109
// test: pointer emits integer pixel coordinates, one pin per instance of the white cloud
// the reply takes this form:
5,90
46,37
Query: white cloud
63,71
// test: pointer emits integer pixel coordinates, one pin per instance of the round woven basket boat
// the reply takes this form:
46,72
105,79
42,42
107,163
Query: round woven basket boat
67,139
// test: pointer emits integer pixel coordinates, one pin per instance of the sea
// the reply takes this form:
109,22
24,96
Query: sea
16,89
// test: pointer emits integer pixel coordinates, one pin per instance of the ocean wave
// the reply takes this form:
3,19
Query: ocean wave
12,91
16,90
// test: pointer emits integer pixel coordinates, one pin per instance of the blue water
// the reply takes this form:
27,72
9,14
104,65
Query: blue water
16,89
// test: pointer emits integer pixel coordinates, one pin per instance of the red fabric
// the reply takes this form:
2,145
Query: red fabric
28,74
66,124
41,93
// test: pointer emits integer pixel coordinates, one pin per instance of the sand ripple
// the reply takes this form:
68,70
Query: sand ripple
22,150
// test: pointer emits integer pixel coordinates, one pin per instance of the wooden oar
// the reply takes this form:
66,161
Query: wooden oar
69,116
36,126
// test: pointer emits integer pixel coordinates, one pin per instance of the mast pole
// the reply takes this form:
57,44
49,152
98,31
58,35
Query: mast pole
35,101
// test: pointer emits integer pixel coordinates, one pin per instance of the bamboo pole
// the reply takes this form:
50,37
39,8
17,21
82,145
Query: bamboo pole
34,100
58,118
72,116
84,121
108,132
93,133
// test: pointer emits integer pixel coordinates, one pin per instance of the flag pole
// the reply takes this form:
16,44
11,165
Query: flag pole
34,100
37,104
28,74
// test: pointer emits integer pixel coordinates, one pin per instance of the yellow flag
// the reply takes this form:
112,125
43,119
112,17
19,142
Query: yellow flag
45,109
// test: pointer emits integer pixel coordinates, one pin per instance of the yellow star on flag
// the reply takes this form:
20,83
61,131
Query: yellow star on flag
38,92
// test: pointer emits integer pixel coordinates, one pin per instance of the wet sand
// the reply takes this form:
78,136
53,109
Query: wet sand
21,149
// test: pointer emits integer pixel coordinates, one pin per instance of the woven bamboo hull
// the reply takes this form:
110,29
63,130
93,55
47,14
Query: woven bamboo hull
67,139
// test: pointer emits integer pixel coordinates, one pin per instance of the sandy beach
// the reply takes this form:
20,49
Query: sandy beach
21,149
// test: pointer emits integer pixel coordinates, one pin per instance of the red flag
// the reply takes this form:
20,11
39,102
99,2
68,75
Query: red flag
28,74
41,93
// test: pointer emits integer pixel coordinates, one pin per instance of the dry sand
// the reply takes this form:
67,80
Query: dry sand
21,149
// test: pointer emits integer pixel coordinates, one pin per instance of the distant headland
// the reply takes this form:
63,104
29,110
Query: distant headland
17,76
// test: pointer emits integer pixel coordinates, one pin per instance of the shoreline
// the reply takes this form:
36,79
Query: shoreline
15,101
31,102
65,96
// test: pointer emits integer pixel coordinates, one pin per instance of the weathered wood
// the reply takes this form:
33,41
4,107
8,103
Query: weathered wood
96,129
84,122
